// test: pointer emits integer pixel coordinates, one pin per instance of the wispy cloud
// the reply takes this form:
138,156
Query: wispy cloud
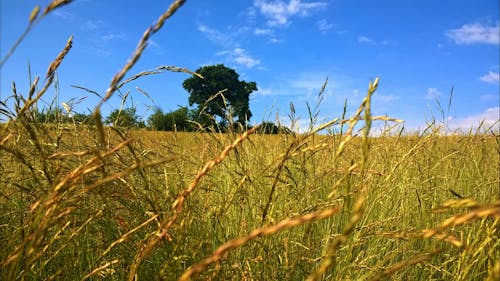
100,43
217,37
263,31
432,93
264,91
295,85
367,40
269,33
275,40
489,117
62,14
232,51
240,56
385,99
92,25
280,12
113,36
324,26
155,47
308,81
364,39
488,97
475,33
99,51
491,77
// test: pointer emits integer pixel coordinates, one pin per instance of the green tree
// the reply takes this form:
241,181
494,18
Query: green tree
82,118
124,118
202,120
158,121
232,100
271,128
177,120
50,115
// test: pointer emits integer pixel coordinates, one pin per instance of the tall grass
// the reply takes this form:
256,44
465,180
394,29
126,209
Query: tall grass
84,202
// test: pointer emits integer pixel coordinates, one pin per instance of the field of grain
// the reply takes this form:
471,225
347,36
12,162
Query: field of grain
90,202
275,207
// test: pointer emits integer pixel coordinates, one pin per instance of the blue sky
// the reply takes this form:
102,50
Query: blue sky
420,50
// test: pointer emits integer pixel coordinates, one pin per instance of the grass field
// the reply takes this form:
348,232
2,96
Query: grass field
100,203
280,206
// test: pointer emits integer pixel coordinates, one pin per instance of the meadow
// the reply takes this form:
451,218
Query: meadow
335,202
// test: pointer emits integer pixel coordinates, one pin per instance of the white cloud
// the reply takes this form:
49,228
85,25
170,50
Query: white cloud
491,77
99,51
298,85
275,40
280,12
364,39
489,117
62,14
300,125
263,31
370,41
308,81
233,52
385,98
100,45
324,26
269,33
157,48
240,56
475,33
488,97
214,35
92,25
113,36
264,91
153,43
432,93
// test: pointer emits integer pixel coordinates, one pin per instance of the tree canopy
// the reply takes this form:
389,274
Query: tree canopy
220,93
172,121
126,117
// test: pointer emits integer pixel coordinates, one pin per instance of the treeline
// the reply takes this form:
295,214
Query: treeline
219,101
181,120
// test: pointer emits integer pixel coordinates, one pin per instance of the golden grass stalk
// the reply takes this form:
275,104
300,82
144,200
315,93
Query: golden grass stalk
397,266
457,203
490,210
219,253
358,207
34,14
100,268
73,234
294,147
139,49
129,233
50,203
283,158
330,256
55,4
171,10
50,78
158,70
494,272
33,19
477,212
178,204
55,64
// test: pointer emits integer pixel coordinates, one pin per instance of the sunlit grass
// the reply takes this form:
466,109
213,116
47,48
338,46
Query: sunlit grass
82,202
